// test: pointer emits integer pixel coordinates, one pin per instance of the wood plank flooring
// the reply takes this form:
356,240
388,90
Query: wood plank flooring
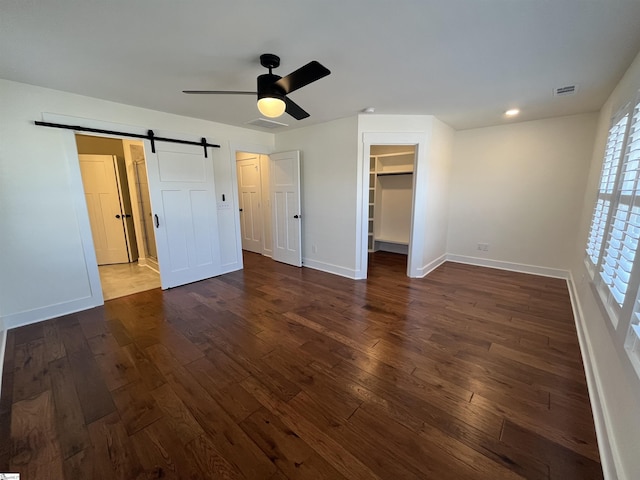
277,372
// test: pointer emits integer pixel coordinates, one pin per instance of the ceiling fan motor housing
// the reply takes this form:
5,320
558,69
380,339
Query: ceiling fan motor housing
268,88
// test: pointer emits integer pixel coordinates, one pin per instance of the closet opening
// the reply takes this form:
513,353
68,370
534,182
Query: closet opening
391,169
114,177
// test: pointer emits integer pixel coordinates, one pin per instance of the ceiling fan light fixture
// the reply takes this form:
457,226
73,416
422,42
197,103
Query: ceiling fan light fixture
271,107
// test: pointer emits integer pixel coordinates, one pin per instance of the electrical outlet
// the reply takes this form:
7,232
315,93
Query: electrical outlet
314,248
483,247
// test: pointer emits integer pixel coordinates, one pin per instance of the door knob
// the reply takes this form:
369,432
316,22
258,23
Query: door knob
117,216
297,216
240,209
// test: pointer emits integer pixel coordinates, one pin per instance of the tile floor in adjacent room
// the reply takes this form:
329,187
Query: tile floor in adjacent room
124,279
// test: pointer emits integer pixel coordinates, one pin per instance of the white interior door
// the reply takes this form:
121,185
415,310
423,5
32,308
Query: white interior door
249,195
285,201
105,213
184,213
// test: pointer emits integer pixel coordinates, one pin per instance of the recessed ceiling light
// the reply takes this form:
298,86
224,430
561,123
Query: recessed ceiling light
512,112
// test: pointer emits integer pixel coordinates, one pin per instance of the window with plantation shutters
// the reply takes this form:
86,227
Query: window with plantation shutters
614,235
612,155
623,230
620,249
630,183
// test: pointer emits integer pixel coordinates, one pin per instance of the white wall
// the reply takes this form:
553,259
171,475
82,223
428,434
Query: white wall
43,268
328,184
519,188
393,208
617,386
265,186
436,213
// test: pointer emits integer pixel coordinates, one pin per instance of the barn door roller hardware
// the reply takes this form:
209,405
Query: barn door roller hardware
149,136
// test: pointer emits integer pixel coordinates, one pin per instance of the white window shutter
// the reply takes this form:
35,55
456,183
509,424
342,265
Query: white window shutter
624,230
610,164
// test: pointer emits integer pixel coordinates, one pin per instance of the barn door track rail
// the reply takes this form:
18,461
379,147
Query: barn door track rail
149,136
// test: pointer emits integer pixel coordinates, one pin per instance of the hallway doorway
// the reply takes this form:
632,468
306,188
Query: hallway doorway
117,194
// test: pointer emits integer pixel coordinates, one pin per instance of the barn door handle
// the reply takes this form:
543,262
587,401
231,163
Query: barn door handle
157,220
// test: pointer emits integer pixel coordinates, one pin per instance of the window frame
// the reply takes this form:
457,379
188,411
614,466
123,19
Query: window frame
610,196
604,243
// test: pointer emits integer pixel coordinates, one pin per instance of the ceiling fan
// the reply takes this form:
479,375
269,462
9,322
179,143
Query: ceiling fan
273,89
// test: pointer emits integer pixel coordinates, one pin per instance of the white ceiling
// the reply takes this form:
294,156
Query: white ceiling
465,61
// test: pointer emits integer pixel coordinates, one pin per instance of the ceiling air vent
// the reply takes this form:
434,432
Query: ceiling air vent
567,90
264,123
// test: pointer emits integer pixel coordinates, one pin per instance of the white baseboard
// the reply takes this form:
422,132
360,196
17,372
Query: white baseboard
151,266
230,267
329,268
50,311
513,267
392,247
430,267
606,441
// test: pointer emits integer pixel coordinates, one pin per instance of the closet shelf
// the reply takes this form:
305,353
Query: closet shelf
395,241
390,199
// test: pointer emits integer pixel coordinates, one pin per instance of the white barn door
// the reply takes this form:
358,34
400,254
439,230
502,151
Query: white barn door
285,201
183,200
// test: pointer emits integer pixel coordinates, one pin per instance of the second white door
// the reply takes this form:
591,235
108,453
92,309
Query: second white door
286,214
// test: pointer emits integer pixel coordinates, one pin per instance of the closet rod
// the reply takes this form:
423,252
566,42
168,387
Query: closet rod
385,174
150,135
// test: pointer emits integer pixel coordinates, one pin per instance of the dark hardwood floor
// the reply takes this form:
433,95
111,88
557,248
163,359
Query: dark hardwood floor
277,372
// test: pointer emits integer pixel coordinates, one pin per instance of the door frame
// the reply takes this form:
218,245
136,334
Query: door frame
260,219
68,139
132,178
234,149
418,224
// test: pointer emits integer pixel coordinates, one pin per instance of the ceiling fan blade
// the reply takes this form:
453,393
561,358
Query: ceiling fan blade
311,72
218,92
294,109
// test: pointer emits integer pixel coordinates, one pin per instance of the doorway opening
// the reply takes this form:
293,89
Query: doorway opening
390,211
114,178
254,203
269,200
